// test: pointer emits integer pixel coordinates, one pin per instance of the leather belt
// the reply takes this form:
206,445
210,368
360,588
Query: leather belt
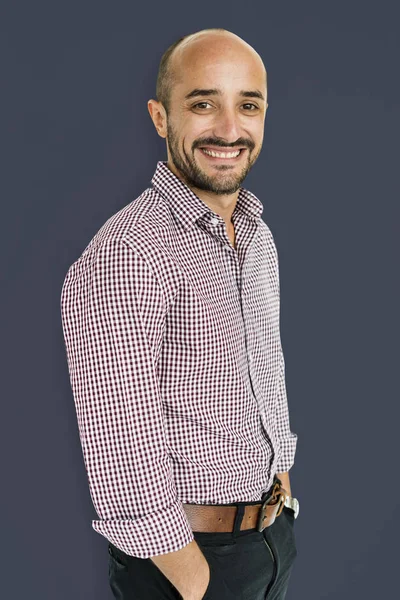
221,517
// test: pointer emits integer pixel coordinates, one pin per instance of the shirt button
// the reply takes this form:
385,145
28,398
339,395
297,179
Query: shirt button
214,221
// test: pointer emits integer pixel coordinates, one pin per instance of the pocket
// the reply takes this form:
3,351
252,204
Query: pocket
232,564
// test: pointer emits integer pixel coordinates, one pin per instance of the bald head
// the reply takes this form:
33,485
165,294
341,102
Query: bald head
195,51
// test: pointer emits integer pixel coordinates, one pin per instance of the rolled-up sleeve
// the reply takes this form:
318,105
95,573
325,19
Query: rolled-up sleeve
113,316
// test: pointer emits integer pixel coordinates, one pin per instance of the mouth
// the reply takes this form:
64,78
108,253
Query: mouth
229,155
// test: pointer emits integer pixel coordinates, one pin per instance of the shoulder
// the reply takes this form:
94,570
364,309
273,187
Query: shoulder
132,239
268,239
137,220
140,225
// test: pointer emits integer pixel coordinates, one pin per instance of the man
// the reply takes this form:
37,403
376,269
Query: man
171,324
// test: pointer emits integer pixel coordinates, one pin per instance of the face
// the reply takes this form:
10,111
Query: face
215,126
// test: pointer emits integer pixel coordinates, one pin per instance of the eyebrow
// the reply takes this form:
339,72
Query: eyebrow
215,92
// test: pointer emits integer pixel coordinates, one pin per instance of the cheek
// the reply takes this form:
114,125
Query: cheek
187,142
194,128
258,141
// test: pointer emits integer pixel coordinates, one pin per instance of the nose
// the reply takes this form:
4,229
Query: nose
227,125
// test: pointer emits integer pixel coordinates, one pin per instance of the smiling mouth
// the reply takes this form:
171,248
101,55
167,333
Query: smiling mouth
226,155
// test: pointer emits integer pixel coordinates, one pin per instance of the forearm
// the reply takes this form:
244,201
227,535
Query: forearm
187,569
284,477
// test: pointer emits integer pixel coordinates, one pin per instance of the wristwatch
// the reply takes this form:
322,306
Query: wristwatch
292,503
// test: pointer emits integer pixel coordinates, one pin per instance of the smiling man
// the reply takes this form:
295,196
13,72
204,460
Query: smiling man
171,324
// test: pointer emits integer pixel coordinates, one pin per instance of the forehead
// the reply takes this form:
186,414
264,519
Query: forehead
230,67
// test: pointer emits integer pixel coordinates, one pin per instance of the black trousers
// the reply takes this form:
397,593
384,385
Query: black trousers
244,565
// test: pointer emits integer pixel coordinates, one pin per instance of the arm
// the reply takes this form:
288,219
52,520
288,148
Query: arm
187,569
284,477
113,318
287,438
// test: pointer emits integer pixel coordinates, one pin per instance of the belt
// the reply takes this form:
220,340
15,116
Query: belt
221,517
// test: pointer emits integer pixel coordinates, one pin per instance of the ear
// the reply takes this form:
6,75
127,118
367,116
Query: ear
158,116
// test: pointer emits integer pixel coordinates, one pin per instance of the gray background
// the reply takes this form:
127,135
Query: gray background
78,144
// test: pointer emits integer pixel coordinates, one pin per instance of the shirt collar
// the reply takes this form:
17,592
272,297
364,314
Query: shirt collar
188,206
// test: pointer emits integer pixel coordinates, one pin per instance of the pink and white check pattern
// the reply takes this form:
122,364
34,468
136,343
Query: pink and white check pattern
175,361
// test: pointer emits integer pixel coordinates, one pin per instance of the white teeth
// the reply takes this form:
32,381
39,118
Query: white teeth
221,154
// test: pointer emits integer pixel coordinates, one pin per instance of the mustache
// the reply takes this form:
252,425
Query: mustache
211,142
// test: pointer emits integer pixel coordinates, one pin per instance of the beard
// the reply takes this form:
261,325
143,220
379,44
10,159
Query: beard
225,180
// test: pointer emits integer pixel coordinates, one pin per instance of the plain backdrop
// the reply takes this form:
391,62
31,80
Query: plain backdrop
78,144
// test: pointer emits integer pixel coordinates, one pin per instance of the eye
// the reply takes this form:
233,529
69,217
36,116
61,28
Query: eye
199,103
248,104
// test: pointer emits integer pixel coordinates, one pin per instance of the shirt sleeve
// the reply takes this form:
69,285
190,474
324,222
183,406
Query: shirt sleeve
113,314
287,439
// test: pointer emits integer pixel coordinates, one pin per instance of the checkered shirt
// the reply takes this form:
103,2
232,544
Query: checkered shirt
175,361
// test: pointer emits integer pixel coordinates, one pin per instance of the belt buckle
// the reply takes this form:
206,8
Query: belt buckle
277,492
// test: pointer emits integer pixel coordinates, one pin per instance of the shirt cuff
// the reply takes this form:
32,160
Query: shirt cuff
164,530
